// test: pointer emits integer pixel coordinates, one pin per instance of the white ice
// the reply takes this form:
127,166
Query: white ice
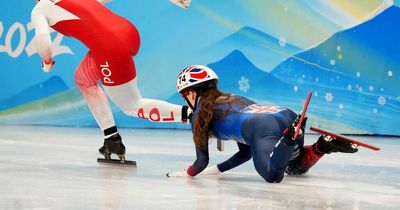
56,168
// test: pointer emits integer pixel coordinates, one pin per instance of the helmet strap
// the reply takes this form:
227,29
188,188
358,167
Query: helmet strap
196,101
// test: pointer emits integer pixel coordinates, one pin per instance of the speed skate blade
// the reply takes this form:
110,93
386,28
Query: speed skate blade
303,114
116,162
343,138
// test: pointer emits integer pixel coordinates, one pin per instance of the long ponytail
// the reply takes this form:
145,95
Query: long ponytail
201,128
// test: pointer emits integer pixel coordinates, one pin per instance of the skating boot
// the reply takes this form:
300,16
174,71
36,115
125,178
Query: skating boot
327,145
290,131
113,145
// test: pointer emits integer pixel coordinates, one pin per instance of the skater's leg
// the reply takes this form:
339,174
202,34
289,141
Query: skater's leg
271,155
310,155
86,77
128,98
303,159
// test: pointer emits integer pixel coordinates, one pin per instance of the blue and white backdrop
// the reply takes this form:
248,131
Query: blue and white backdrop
274,52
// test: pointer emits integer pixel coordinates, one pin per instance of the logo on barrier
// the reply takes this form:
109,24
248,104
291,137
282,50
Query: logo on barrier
6,46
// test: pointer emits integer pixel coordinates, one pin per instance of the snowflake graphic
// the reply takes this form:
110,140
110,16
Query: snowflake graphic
390,73
316,93
332,62
349,87
244,84
381,100
371,88
329,97
282,41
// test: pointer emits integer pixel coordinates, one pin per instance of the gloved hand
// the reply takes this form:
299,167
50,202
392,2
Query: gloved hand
212,170
182,3
182,173
47,67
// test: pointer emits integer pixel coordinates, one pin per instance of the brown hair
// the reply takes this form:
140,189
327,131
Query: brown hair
201,131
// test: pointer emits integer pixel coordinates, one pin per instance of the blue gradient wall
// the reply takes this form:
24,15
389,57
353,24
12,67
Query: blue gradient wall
273,52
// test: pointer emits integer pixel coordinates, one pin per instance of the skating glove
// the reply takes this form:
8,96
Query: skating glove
213,170
327,144
182,173
47,67
182,3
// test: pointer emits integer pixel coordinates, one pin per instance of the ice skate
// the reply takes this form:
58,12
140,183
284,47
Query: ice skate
297,128
327,144
114,145
340,142
290,132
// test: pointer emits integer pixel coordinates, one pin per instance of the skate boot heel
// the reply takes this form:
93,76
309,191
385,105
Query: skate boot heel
121,158
103,150
114,144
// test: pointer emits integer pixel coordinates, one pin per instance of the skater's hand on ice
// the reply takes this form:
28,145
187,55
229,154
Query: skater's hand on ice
182,173
48,66
212,170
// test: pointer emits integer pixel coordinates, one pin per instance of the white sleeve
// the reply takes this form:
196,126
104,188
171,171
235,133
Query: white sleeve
104,1
43,38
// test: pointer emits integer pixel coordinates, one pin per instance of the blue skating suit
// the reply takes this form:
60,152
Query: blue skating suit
258,131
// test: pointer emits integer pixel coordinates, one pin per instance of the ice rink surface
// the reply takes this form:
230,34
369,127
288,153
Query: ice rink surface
55,168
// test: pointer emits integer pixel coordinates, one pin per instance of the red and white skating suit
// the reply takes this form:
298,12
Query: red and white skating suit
112,41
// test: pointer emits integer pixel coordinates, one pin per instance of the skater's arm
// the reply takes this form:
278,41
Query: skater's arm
201,162
242,156
43,39
198,166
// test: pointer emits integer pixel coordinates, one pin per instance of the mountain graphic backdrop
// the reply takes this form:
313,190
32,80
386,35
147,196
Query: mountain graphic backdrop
354,77
35,92
238,75
264,51
354,74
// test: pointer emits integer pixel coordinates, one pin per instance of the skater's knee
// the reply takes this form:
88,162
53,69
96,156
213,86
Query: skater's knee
79,81
273,179
83,82
274,176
